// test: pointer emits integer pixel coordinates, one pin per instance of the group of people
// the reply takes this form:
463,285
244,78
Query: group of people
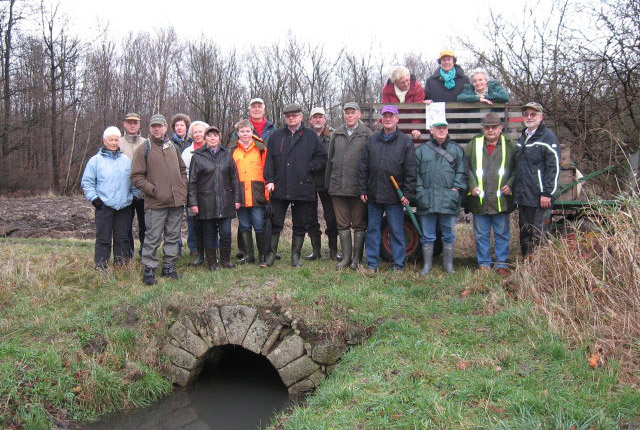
352,171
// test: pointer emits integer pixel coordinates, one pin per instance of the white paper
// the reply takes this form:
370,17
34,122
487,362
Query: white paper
435,112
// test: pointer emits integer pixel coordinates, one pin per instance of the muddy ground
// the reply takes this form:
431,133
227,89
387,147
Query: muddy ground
53,217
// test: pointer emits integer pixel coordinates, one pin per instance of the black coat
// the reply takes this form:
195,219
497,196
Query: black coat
436,90
382,159
213,184
537,166
292,159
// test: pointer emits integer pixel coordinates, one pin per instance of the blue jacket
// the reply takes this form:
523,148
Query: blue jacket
107,176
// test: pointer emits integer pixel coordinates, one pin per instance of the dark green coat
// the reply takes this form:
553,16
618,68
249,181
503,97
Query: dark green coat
437,177
491,166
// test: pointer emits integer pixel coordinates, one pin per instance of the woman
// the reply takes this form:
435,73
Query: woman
180,124
194,236
214,196
401,87
107,186
447,81
483,90
249,160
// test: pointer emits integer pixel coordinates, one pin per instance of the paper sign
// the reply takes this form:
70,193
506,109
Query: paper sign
435,112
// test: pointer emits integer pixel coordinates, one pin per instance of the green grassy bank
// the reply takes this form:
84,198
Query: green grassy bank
445,352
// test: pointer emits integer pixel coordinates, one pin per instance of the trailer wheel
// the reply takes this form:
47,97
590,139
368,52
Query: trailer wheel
411,242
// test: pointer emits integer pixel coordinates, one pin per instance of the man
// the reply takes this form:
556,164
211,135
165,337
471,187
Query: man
129,143
538,167
440,187
158,170
263,129
294,153
491,160
388,152
322,129
345,151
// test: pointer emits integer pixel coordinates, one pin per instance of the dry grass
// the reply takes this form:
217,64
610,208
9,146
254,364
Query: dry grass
588,285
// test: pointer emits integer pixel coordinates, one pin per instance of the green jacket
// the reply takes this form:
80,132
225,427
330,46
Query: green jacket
490,177
437,177
495,93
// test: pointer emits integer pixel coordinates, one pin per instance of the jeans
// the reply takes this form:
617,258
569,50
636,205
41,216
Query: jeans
214,228
251,217
482,225
428,225
395,222
112,229
195,230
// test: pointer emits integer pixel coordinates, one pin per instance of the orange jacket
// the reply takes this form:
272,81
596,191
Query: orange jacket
250,164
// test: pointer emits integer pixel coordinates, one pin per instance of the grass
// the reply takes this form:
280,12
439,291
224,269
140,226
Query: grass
445,352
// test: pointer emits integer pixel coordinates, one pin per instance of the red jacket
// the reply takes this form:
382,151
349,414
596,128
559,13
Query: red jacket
414,95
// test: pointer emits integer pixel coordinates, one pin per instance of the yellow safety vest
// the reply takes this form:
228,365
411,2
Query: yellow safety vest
479,142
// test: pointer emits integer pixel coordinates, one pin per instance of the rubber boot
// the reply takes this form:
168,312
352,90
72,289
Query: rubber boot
259,245
427,258
211,259
225,258
296,250
358,248
246,237
241,245
270,258
447,257
333,248
200,245
316,247
345,244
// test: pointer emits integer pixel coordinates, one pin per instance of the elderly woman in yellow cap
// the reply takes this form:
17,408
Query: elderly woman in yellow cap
447,81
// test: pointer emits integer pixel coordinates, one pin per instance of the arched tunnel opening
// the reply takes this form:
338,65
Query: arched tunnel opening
235,390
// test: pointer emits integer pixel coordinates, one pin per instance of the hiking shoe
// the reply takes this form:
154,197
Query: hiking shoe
170,272
502,271
149,276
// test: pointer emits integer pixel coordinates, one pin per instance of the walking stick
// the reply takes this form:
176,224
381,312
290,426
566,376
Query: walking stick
407,209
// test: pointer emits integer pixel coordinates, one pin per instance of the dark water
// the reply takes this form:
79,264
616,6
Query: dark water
242,391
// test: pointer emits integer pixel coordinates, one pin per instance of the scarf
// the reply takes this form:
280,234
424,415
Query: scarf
400,94
449,78
177,139
197,145
259,126
389,137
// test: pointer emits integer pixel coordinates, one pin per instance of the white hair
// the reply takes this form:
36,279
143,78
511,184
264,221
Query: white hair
398,72
479,71
194,124
111,131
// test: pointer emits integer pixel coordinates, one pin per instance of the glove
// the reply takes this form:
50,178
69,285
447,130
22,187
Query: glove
97,203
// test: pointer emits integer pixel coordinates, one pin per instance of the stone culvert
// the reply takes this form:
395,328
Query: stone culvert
302,363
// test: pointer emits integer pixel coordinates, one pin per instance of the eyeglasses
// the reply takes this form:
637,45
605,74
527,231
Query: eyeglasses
531,114
291,115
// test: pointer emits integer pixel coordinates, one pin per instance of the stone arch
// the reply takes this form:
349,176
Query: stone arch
301,363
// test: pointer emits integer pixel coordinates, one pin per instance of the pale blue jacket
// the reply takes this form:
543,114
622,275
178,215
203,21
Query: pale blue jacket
107,176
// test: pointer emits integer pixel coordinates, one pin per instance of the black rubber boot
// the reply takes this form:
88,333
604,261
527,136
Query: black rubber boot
345,244
296,250
447,257
270,258
211,259
358,248
247,239
200,245
225,258
316,247
241,246
427,258
259,245
149,276
333,248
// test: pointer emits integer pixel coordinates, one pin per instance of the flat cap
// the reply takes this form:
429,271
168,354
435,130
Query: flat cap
351,105
132,116
158,119
292,108
491,119
534,106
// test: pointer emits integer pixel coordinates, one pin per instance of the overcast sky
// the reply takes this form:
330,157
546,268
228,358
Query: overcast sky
389,27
